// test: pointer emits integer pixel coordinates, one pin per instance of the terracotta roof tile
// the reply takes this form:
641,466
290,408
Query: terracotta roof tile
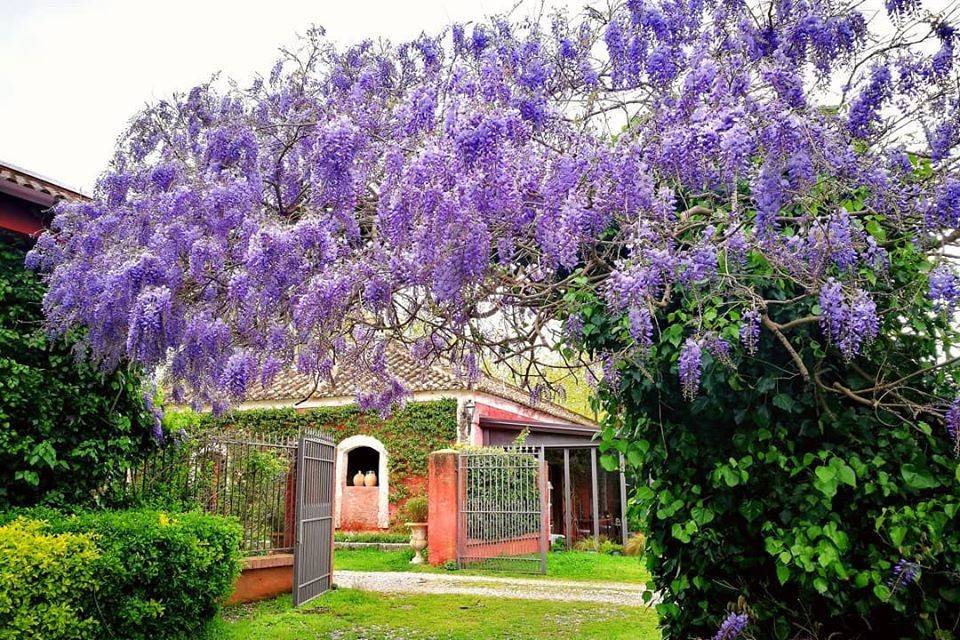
293,387
45,189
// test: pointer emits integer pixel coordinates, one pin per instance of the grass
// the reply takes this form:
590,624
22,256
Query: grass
347,614
565,565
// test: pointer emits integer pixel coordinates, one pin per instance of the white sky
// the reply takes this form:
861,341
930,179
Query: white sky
73,72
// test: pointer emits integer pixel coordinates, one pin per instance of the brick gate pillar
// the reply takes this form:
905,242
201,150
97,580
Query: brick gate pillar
442,507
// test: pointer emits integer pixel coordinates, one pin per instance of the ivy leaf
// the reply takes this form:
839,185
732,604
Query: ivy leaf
826,480
609,462
783,573
784,401
917,478
846,475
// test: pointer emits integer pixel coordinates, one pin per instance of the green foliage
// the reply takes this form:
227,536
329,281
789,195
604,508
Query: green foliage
409,434
66,429
43,579
371,537
784,491
416,509
145,574
604,545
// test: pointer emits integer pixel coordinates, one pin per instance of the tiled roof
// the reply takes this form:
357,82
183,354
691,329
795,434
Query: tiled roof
293,387
46,191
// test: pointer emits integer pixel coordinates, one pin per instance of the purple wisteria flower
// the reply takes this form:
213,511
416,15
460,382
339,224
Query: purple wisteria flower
690,366
641,326
750,331
427,189
732,626
904,573
944,287
952,419
850,324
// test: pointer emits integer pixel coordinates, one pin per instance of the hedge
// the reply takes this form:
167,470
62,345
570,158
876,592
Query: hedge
127,574
43,579
409,434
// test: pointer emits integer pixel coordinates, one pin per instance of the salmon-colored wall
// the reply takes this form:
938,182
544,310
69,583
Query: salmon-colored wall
359,508
529,544
263,577
442,510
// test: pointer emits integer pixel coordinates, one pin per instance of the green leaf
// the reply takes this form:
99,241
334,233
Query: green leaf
610,462
918,478
783,573
846,475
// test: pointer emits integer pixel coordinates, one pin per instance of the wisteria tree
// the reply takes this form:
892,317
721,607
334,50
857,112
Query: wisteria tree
739,210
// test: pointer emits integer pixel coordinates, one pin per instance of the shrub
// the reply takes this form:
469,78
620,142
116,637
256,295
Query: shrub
66,429
43,579
829,517
416,509
158,575
371,536
635,545
604,545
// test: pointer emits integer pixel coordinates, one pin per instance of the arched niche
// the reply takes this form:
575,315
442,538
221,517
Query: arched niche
352,454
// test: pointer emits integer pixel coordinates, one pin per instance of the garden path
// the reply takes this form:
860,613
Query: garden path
624,594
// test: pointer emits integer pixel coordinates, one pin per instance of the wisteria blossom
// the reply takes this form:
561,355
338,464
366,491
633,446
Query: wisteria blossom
457,192
732,626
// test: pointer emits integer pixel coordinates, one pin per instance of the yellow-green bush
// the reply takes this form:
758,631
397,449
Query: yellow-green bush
142,574
44,579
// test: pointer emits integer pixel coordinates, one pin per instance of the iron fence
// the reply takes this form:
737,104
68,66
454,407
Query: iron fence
502,508
249,477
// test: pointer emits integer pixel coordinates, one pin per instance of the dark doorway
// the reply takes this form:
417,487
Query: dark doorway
362,460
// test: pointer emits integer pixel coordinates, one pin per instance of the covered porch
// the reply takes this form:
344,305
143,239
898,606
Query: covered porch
585,500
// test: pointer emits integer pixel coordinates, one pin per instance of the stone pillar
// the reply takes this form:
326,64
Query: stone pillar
442,510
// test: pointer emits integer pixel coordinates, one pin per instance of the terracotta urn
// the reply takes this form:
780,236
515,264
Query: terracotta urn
418,540
371,479
358,479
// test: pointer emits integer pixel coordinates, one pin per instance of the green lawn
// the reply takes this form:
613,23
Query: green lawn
566,565
357,615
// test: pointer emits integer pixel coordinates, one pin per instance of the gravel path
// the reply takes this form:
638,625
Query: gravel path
530,589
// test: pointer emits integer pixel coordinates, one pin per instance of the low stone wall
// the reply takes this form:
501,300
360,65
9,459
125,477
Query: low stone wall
263,577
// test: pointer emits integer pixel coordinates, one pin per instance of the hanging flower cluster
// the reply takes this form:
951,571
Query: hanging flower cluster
450,191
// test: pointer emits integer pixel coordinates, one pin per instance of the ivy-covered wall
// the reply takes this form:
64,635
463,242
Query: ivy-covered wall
409,434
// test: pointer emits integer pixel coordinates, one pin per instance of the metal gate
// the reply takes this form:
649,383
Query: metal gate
313,548
503,514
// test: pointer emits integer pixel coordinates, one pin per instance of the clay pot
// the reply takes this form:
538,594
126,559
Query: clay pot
358,479
418,540
371,479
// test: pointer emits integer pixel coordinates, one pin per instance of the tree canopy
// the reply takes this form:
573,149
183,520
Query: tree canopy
672,189
444,190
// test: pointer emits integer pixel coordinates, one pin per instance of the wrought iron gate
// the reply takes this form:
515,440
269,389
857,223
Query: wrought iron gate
313,548
502,504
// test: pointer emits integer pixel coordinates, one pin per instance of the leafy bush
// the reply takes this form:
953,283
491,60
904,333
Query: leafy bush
829,517
604,545
43,579
371,536
66,429
157,575
416,509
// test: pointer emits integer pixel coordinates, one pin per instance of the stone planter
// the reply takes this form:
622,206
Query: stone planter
418,540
